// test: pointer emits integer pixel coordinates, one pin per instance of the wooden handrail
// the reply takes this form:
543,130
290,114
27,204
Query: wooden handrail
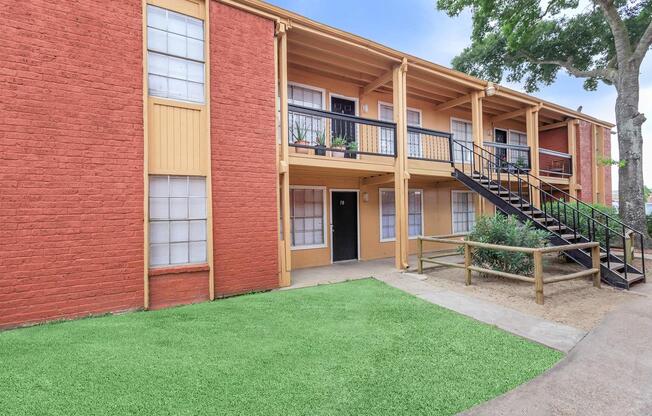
537,254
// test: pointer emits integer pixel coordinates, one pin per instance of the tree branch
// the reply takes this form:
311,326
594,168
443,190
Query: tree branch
618,29
602,73
643,44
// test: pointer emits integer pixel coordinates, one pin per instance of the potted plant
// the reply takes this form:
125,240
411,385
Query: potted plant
339,145
320,148
299,138
351,148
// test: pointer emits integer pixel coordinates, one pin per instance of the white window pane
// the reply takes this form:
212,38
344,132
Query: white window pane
158,208
176,45
178,89
195,49
158,86
178,253
197,252
179,186
198,230
158,186
195,72
176,23
197,186
178,68
179,208
179,231
159,254
195,92
195,28
157,40
157,64
159,232
197,208
156,17
299,224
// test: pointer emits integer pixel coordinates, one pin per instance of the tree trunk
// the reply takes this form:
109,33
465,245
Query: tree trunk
630,146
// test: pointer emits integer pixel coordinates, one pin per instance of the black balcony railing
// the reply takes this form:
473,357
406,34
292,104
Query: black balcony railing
553,163
424,144
508,155
324,133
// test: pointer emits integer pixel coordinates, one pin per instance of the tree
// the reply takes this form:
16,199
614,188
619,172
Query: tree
531,41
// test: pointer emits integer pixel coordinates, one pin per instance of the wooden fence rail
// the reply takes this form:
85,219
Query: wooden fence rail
537,254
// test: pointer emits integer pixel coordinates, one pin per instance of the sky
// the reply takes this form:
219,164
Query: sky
423,31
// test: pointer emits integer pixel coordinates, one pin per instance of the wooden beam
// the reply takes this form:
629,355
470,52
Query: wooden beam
400,178
507,116
553,126
377,180
572,150
284,186
383,79
454,102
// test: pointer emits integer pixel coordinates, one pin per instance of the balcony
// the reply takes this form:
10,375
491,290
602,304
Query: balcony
429,145
515,154
555,164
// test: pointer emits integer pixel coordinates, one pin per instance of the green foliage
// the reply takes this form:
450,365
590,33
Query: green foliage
524,40
338,142
584,222
646,193
606,161
354,348
508,231
649,224
299,133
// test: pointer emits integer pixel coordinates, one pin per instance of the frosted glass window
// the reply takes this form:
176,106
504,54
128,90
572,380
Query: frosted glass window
463,212
307,217
388,214
177,220
175,54
462,132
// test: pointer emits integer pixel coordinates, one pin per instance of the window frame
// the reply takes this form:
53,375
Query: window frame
309,87
453,119
461,191
380,214
324,219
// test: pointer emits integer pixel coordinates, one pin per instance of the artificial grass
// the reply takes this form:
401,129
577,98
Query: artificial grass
354,348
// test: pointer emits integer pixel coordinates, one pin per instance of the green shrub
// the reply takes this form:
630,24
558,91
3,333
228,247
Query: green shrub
584,222
649,225
508,231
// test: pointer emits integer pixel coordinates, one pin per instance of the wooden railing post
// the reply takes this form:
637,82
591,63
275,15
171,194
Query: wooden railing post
467,263
538,276
595,257
420,261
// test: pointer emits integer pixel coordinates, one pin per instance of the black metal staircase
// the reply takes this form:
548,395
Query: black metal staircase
515,191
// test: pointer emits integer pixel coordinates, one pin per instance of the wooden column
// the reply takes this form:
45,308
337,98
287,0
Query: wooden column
477,132
598,166
400,165
572,150
284,168
532,130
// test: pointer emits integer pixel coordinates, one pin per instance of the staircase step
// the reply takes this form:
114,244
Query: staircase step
570,237
556,227
633,277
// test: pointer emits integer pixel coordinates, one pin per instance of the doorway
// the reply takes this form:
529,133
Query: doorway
344,225
343,128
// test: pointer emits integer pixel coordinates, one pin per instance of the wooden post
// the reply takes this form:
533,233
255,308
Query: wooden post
572,150
467,263
538,276
400,166
420,260
532,131
595,258
478,139
284,168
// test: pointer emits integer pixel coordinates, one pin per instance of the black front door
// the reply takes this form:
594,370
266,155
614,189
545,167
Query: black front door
341,128
344,206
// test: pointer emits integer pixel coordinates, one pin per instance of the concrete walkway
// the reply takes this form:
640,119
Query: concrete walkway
608,373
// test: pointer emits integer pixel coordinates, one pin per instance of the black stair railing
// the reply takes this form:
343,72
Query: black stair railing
597,225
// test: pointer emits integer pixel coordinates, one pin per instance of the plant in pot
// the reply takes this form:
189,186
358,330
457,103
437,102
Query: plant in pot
339,145
320,148
351,148
299,135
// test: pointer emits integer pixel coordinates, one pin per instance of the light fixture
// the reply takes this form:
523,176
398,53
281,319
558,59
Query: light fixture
365,196
365,108
490,89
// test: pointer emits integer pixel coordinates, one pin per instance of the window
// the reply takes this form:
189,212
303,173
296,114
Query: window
388,214
518,138
177,220
307,217
414,139
462,132
175,55
386,135
463,211
312,127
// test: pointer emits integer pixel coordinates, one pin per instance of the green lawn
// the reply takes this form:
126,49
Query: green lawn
355,348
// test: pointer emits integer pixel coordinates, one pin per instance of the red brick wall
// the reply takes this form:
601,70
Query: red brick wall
188,285
585,161
71,159
555,139
243,151
608,198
